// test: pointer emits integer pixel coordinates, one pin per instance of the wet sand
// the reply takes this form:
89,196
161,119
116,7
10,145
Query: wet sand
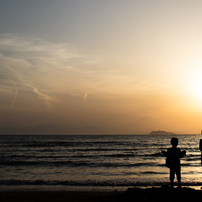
163,194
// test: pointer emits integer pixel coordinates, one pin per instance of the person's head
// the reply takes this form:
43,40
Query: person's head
174,142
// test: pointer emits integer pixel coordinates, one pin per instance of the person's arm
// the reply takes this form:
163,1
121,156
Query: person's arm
164,153
167,153
181,153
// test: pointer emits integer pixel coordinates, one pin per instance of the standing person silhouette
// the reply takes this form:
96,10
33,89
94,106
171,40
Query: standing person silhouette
173,155
200,147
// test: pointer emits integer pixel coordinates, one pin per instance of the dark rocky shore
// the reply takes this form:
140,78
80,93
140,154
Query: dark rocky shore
163,194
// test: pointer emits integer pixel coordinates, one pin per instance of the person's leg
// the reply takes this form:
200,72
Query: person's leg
172,176
178,173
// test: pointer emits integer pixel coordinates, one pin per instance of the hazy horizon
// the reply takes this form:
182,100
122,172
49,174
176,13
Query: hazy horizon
135,128
101,63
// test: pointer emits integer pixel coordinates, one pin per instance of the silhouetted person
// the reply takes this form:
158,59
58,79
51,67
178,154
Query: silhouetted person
200,147
173,155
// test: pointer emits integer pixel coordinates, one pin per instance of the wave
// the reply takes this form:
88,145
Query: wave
63,143
69,149
85,154
118,183
75,164
89,162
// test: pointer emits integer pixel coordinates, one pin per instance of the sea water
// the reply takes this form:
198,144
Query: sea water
95,160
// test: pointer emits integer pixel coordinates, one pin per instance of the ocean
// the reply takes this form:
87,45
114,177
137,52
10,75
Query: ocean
100,161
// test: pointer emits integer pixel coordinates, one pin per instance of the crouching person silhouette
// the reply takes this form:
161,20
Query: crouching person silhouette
173,155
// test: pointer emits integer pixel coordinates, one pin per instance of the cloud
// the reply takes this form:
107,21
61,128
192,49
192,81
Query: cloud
15,97
29,48
85,97
33,65
53,79
42,72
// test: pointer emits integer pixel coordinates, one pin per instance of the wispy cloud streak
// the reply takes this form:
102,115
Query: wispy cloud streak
39,65
85,98
15,97
51,71
45,98
16,91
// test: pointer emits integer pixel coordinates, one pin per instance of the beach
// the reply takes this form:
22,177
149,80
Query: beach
59,196
131,194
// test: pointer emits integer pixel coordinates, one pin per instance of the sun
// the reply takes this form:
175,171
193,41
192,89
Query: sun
195,86
197,89
192,79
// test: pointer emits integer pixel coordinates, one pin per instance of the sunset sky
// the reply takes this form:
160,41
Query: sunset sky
105,63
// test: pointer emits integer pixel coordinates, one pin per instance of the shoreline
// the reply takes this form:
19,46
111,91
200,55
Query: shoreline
163,193
63,188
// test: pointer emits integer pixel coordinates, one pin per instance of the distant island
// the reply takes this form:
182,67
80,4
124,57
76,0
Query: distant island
160,132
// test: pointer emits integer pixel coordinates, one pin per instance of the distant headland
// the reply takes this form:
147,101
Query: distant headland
161,132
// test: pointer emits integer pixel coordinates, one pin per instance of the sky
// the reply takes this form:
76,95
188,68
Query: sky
76,63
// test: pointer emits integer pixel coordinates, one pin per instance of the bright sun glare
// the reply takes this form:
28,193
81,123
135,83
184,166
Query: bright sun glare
193,79
196,87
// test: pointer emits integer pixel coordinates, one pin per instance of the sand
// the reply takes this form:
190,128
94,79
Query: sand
163,194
